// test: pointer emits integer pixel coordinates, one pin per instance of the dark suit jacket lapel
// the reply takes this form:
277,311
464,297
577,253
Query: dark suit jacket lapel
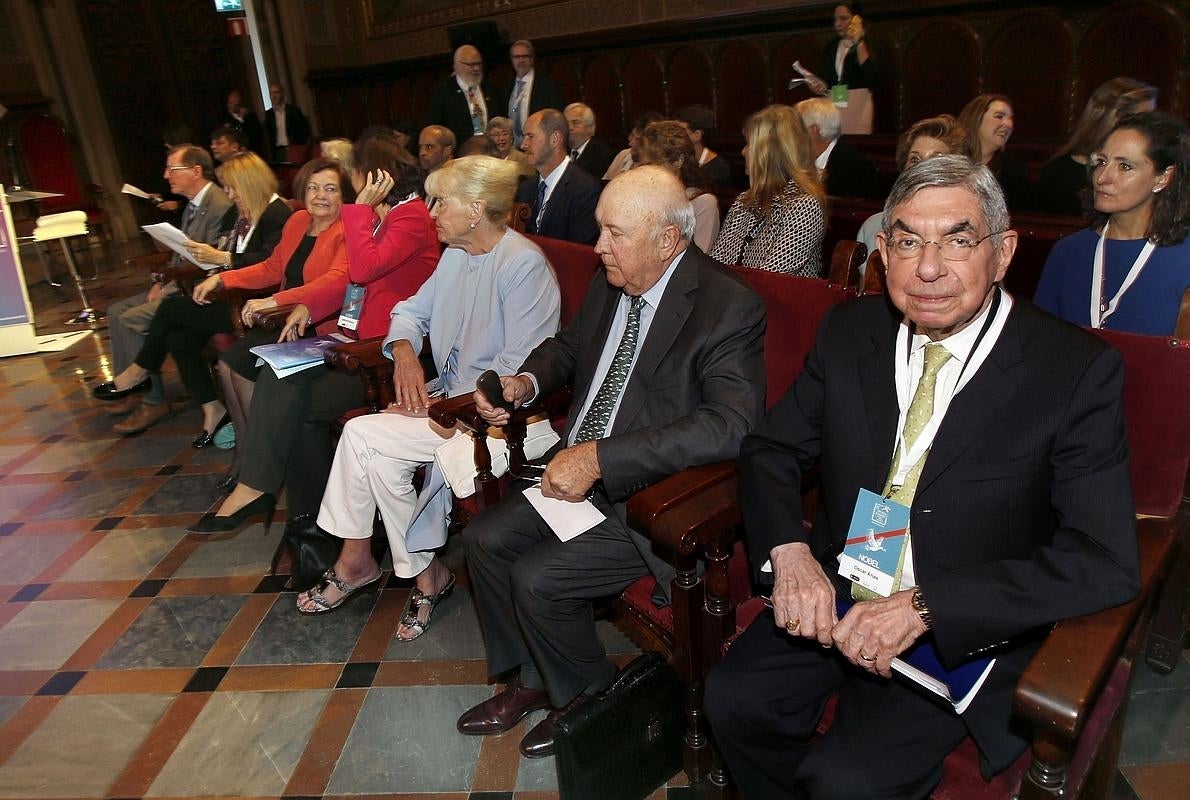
878,379
556,197
668,321
977,404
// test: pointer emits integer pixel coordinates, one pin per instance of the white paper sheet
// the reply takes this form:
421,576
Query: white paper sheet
128,188
173,238
567,520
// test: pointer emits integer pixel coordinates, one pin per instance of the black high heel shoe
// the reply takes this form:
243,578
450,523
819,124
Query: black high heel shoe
108,391
266,504
205,439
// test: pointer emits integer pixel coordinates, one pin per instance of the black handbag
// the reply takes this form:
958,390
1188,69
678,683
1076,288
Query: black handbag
625,742
313,551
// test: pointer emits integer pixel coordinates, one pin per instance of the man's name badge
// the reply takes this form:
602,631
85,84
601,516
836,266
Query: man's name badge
839,95
353,301
874,542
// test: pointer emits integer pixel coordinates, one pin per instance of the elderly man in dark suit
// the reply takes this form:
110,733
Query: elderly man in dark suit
585,150
530,90
1000,433
463,101
562,196
666,359
846,171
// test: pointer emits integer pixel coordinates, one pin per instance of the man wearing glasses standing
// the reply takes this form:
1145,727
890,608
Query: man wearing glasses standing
463,101
190,172
973,448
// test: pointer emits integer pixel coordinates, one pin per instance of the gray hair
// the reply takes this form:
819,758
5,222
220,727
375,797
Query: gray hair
526,43
822,112
656,192
958,171
500,123
588,114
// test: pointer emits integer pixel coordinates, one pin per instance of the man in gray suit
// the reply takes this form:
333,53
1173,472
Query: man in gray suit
190,173
666,359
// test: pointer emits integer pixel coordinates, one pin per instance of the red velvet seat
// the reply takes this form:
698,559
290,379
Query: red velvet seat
50,164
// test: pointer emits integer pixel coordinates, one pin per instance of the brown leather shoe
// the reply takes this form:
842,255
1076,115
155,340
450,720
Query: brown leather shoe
502,711
145,416
539,741
126,405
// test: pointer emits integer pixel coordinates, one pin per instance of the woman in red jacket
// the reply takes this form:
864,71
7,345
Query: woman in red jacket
392,247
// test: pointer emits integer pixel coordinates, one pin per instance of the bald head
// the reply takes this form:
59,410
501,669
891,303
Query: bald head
435,147
645,221
468,65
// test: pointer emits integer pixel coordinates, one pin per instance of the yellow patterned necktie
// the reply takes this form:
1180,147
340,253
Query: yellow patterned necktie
921,409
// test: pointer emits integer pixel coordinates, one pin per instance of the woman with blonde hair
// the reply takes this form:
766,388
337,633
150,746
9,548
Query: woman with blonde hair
491,300
777,224
1065,176
667,144
181,327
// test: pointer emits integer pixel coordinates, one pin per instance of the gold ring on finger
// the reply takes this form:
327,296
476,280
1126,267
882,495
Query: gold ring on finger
792,625
867,658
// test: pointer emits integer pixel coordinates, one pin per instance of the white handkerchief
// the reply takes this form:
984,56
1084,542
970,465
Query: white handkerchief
567,520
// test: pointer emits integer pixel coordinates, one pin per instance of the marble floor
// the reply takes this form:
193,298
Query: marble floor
137,660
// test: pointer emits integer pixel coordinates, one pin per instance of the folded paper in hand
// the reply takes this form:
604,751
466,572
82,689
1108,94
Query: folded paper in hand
286,358
567,520
173,238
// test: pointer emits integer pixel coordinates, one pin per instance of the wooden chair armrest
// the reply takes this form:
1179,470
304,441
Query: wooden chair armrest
272,319
182,273
462,409
1056,693
150,262
351,357
685,511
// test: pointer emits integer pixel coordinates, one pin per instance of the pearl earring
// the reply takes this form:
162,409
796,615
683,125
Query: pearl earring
474,225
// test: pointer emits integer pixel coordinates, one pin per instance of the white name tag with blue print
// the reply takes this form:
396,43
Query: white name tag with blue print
874,542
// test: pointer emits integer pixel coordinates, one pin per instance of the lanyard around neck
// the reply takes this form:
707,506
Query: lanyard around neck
925,440
1101,308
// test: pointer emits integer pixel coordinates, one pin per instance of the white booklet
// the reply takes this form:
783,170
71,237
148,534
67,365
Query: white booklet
286,358
566,519
173,238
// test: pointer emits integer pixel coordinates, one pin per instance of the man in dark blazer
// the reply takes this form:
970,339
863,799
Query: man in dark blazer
847,172
1020,508
530,91
666,359
562,196
585,150
240,116
295,128
463,101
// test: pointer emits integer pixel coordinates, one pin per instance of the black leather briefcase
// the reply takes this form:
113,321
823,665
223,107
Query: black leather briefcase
625,742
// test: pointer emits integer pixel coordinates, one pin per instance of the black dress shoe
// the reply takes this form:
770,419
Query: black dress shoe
108,391
206,439
539,742
266,504
501,712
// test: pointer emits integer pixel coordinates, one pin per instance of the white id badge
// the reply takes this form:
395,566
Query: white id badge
353,301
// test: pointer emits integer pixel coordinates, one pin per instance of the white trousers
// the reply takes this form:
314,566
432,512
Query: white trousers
373,469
